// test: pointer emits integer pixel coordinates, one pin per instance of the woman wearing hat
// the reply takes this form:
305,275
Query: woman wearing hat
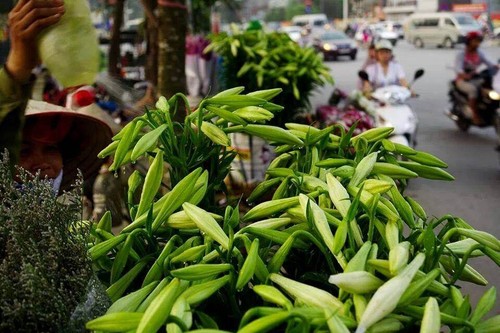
385,71
55,142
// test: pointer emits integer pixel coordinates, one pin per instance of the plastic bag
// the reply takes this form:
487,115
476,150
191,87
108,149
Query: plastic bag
95,304
70,48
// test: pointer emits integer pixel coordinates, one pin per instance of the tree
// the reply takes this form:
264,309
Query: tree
114,46
171,36
151,36
201,12
172,17
299,9
276,14
200,16
165,34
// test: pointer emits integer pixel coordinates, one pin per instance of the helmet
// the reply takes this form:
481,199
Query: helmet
471,35
383,44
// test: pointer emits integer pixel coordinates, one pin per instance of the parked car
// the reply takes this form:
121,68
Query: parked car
333,44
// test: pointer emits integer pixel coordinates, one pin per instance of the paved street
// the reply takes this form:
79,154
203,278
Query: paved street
475,194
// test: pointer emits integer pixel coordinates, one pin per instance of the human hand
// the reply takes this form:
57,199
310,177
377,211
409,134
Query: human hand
26,20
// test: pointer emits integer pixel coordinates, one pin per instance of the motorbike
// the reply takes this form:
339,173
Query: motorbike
487,82
391,110
123,98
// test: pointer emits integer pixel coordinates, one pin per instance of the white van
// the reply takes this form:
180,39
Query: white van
314,21
442,29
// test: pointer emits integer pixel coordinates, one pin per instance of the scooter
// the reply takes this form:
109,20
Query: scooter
488,101
391,110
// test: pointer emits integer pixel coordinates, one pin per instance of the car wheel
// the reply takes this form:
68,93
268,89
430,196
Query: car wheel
353,56
418,43
448,43
394,42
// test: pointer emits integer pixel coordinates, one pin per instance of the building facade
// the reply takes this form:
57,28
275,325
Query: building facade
399,9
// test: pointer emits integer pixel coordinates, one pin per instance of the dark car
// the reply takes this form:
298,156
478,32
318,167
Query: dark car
334,44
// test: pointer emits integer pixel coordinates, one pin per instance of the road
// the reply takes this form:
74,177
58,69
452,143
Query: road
475,193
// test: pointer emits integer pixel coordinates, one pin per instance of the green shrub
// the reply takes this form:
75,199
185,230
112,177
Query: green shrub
259,60
44,268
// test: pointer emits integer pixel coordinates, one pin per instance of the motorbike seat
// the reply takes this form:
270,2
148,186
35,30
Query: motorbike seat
454,90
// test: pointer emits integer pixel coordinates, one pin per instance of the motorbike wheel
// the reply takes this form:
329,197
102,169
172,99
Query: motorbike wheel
463,125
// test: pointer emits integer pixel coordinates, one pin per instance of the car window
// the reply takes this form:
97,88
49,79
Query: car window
449,22
318,23
426,22
431,22
333,36
466,20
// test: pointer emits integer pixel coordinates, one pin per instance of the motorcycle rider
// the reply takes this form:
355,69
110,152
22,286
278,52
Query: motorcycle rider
371,58
385,71
467,63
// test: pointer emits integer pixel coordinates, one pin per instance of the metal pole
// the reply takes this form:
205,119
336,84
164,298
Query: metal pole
345,13
488,10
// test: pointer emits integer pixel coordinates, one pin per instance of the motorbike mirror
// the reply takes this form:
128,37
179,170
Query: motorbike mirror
363,75
418,74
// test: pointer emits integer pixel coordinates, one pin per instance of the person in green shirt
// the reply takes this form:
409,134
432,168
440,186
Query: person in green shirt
26,20
41,137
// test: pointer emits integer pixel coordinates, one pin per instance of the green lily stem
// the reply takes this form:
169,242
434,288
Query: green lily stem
444,241
418,312
465,258
179,322
307,235
259,311
232,294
